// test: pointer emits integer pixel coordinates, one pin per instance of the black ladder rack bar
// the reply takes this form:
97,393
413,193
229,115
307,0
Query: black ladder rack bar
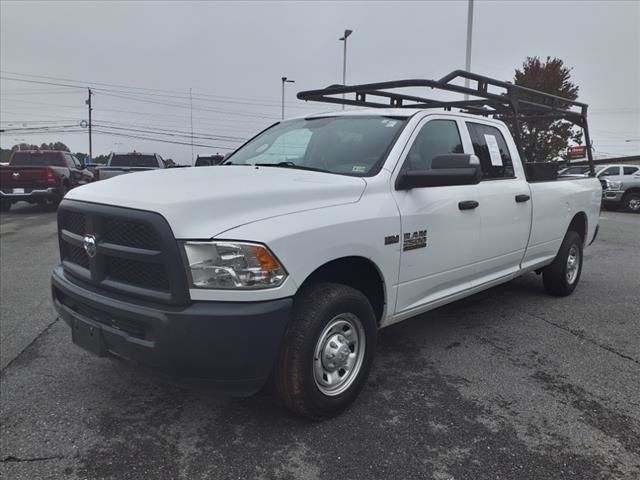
515,103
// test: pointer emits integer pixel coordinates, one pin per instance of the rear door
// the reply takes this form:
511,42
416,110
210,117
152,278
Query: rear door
505,203
438,239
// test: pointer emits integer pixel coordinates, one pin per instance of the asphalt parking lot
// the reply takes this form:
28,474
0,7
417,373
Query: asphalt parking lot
508,384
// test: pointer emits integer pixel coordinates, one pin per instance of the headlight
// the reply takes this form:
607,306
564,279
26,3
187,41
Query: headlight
232,265
614,185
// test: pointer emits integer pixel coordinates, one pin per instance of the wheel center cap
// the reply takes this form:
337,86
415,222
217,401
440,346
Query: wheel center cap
336,352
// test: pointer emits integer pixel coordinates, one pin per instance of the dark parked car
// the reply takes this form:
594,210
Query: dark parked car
40,176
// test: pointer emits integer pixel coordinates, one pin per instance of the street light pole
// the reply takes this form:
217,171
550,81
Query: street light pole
284,80
344,59
467,63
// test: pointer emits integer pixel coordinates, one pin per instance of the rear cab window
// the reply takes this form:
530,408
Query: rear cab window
491,148
52,159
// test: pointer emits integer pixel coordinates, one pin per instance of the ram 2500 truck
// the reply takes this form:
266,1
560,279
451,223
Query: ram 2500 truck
330,227
40,176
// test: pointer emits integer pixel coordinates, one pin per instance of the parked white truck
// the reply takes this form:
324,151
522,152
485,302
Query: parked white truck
325,229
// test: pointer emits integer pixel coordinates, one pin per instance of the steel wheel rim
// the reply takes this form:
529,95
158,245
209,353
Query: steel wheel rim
573,264
339,354
634,204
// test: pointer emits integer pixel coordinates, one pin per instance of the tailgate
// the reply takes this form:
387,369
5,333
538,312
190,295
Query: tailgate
12,177
108,172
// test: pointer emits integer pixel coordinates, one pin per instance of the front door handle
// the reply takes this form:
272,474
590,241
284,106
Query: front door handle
522,198
468,205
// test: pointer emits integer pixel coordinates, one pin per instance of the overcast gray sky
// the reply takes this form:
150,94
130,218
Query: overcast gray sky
143,57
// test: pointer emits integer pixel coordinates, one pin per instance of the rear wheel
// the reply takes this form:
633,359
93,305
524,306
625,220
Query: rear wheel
631,202
5,205
561,277
327,351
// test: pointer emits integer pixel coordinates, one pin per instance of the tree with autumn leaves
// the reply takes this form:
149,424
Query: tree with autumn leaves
545,140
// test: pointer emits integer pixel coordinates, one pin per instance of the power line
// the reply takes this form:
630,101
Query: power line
176,93
185,106
218,147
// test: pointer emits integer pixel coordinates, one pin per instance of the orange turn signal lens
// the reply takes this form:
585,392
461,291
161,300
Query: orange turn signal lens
267,262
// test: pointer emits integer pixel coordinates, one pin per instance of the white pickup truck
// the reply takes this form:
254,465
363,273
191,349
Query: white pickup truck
325,229
119,163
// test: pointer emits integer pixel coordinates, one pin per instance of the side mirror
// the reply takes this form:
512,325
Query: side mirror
451,169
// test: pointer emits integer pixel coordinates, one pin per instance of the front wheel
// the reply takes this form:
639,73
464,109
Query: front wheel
561,277
327,351
63,191
631,202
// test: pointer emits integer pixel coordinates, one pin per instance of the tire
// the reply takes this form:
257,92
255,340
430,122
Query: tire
561,277
63,191
5,205
330,323
631,202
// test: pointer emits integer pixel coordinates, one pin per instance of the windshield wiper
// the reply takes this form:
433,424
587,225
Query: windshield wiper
292,165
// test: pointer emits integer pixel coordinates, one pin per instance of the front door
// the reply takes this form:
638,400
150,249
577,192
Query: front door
439,233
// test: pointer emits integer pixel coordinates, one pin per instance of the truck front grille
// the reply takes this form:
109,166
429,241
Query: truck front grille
136,252
133,234
151,275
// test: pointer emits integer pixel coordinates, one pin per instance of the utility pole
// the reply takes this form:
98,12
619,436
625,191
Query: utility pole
344,59
191,108
88,102
284,80
467,63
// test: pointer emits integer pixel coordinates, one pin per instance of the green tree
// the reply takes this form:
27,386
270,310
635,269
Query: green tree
546,140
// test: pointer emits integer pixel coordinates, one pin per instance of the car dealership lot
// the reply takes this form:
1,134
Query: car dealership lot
510,383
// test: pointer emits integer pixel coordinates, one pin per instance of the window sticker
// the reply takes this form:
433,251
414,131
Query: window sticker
494,150
391,123
359,168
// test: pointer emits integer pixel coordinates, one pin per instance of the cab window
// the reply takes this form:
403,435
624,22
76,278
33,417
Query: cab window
437,137
490,147
610,171
630,170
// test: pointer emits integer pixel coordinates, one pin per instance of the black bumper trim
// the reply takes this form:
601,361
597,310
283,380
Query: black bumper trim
229,346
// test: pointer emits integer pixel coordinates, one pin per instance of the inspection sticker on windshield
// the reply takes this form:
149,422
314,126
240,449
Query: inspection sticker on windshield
359,169
494,150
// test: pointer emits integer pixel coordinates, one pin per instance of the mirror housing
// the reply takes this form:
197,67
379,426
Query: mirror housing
446,170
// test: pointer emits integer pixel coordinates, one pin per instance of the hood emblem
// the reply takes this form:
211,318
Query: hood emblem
15,174
89,244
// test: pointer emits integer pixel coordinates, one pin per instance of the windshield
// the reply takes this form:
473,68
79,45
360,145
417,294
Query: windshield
31,158
344,145
133,160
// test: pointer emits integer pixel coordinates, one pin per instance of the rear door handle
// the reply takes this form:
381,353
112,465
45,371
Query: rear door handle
468,205
522,198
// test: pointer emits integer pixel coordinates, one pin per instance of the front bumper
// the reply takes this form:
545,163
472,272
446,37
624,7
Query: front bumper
229,346
612,196
30,194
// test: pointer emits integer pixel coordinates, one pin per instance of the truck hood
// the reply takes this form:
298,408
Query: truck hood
204,202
